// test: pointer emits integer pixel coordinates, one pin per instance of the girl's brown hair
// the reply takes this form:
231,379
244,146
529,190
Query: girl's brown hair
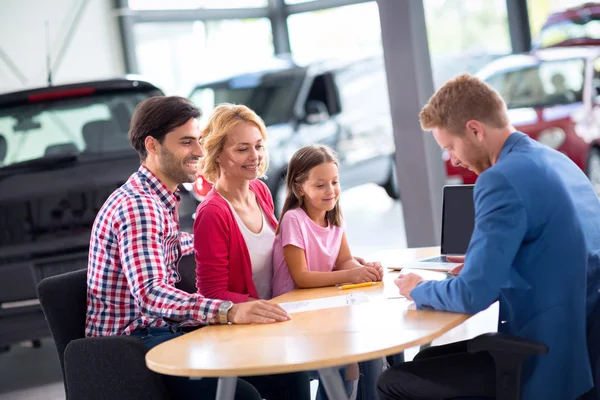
298,170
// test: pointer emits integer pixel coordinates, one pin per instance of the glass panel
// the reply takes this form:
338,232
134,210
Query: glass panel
363,89
176,56
190,4
465,35
337,32
95,124
550,83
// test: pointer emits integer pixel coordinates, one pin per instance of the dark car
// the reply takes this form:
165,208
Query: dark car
63,151
553,95
343,104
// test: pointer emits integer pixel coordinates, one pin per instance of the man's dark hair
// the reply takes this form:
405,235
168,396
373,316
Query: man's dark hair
158,116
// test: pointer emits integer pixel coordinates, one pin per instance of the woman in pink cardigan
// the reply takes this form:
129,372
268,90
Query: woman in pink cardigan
235,226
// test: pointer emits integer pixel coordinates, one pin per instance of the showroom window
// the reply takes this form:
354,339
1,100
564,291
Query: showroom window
178,55
465,35
190,4
337,32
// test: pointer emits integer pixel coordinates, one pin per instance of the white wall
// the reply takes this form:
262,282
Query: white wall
94,52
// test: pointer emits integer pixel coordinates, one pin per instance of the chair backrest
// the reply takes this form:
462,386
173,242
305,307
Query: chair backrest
64,301
61,149
104,135
593,339
187,271
3,148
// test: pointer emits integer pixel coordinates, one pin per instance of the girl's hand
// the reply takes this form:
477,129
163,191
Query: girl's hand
372,264
360,260
377,266
363,274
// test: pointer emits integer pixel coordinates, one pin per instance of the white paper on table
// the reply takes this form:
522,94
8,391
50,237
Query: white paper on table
326,302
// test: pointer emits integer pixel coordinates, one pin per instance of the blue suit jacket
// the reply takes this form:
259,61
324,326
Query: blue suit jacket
535,248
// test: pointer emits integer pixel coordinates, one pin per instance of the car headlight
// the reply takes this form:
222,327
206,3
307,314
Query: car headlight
552,137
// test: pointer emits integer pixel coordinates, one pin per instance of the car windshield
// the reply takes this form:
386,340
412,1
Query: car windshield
272,96
92,125
545,84
564,31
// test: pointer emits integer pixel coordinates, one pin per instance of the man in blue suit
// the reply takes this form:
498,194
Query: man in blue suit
535,248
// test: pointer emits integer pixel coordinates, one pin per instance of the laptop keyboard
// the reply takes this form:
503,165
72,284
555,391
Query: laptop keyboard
436,259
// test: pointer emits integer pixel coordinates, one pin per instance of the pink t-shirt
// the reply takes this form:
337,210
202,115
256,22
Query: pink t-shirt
321,247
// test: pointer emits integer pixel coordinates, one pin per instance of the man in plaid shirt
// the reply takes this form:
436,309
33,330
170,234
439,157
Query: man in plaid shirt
136,246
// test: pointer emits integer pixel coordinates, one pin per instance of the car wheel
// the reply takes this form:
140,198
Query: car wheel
391,186
593,168
279,196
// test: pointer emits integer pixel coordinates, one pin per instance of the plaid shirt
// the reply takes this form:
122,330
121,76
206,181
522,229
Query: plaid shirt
135,249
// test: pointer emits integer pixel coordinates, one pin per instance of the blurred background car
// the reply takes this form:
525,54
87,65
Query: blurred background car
553,96
343,104
575,26
70,144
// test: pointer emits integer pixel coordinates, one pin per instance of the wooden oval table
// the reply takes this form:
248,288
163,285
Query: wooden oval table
321,339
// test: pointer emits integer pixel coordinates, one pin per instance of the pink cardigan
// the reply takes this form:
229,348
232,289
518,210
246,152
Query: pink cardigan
223,267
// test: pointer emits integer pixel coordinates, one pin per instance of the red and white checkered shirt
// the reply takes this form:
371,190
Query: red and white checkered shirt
135,250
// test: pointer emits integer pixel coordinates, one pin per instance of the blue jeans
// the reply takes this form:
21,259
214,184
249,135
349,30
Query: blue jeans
369,373
367,383
293,386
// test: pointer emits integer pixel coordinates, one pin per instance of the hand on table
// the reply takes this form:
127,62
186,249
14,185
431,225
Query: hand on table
456,259
363,274
257,312
372,264
407,282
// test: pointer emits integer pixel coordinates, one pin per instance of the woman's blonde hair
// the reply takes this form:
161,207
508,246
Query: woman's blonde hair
298,170
460,100
221,121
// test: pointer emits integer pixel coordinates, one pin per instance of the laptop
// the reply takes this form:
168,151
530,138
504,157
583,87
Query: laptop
458,220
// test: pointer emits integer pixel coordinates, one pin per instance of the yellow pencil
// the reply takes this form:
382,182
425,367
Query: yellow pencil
357,285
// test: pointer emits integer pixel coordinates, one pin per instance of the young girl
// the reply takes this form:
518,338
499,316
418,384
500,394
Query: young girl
311,249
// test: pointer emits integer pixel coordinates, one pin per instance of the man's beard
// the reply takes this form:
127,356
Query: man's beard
480,161
174,168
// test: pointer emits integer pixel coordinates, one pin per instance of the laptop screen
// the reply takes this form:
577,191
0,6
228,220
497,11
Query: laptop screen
458,219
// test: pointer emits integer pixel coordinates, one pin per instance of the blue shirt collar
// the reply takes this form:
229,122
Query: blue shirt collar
512,140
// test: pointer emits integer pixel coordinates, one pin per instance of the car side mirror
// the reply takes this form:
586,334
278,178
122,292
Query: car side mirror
316,111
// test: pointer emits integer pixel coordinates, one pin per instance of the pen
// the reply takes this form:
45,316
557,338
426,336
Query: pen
357,285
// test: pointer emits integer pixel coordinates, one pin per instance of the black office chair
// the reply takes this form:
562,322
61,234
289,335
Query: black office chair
509,352
100,368
593,341
3,148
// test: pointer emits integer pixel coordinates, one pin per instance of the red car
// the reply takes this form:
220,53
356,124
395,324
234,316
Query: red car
571,27
553,95
199,189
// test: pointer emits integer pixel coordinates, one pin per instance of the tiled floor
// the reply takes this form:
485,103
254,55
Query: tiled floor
372,219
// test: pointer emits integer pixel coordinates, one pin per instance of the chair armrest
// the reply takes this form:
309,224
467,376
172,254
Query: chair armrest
505,343
111,367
